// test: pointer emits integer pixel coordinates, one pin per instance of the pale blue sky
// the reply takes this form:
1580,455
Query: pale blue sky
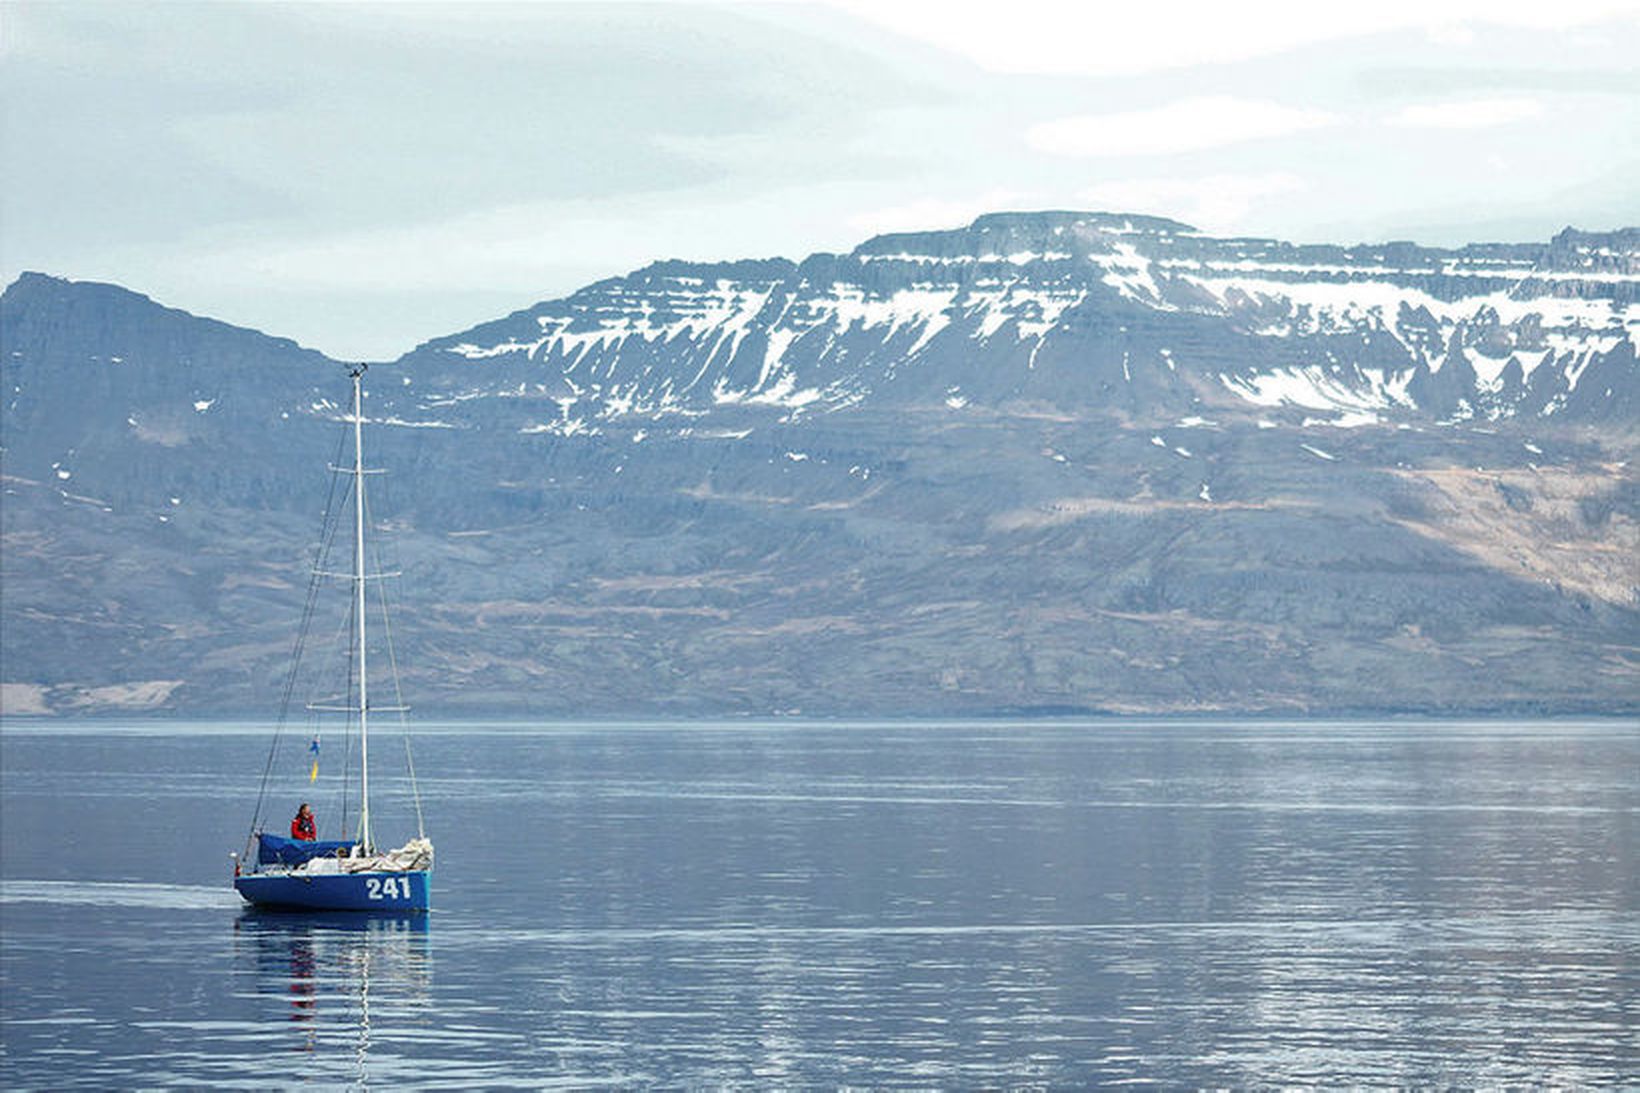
363,177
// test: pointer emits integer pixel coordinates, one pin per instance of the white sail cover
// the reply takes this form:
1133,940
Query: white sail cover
415,854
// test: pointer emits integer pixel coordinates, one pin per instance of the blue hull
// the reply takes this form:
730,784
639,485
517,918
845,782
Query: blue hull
337,891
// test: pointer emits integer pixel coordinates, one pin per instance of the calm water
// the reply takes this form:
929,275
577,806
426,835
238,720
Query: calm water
979,905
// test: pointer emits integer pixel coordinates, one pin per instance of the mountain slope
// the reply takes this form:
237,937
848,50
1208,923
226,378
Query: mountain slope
1048,462
1082,312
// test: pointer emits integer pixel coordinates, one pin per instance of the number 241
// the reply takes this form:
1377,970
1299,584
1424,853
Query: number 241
388,887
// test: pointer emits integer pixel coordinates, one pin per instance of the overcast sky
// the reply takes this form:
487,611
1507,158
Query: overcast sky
364,177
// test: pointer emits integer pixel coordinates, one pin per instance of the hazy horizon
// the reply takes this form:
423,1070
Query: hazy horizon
363,177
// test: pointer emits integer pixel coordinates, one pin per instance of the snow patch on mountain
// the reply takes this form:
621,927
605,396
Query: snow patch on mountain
1363,333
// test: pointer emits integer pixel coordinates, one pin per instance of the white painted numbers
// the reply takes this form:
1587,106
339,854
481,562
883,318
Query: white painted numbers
387,887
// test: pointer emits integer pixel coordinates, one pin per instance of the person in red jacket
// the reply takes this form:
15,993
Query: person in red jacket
302,826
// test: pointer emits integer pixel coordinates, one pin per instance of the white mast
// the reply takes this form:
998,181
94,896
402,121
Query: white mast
359,610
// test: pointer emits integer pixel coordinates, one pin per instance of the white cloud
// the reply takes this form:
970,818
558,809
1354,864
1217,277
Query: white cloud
1056,37
1187,125
1214,203
1471,114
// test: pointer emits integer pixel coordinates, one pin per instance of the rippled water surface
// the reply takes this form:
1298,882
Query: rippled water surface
790,905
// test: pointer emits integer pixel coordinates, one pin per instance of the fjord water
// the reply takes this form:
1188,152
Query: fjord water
982,904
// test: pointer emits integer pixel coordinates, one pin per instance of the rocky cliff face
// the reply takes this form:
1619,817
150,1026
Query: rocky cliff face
1052,461
1090,312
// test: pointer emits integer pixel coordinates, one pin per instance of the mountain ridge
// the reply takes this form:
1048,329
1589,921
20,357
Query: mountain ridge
944,474
1298,322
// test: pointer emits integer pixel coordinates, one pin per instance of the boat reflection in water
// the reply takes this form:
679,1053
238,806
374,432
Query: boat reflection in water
341,979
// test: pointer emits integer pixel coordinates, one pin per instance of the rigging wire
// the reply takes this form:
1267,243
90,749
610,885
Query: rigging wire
350,674
335,653
398,693
322,683
321,550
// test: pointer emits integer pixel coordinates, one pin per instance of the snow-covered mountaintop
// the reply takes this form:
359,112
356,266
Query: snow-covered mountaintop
1085,310
1046,462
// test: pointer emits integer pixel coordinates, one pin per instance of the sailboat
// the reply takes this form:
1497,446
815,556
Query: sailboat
352,873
